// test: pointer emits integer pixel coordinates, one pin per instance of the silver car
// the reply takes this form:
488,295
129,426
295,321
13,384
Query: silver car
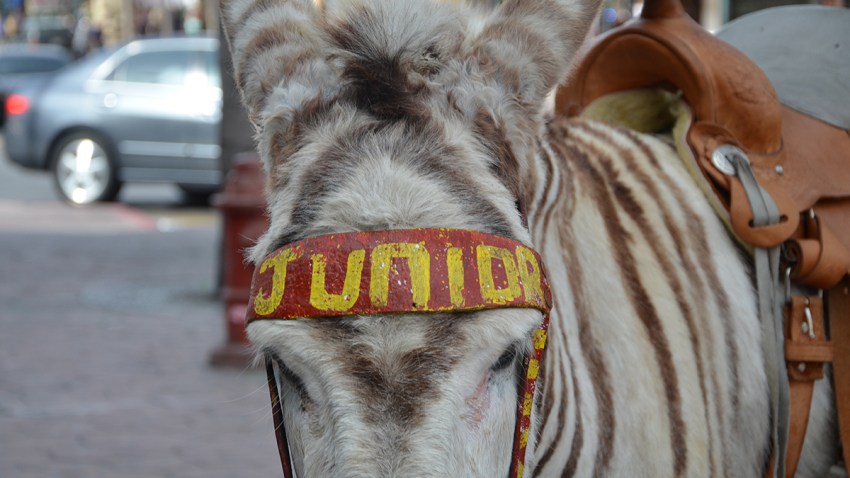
147,111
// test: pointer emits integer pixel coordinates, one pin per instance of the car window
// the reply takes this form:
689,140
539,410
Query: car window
15,65
158,67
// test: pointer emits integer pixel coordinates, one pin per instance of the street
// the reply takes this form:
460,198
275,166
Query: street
108,316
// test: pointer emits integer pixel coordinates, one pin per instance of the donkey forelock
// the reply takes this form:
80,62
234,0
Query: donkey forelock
367,85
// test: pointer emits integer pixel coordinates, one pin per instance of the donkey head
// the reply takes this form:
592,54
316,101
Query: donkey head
378,115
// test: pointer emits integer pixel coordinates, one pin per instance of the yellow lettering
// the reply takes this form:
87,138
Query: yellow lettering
419,262
455,268
321,299
489,292
533,369
531,282
266,305
539,339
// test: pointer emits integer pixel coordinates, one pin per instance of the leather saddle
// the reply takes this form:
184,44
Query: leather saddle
797,144
802,161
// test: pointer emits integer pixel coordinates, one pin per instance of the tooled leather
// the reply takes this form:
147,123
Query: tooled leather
800,161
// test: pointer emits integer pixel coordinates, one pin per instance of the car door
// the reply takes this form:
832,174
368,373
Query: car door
154,105
205,84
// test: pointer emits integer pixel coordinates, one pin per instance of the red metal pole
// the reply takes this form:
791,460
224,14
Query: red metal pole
243,221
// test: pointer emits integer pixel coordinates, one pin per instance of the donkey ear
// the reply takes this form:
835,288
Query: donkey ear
529,45
277,50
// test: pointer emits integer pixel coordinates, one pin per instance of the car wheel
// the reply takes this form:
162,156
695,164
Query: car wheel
83,169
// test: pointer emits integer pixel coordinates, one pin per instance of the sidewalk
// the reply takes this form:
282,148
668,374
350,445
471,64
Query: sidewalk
106,325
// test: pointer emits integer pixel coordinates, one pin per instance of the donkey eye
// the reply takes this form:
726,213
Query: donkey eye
506,359
292,379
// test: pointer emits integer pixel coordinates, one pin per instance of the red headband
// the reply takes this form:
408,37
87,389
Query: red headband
406,271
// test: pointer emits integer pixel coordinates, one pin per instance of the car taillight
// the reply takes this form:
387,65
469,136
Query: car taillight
17,105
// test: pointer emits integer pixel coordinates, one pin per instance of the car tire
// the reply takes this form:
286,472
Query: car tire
84,170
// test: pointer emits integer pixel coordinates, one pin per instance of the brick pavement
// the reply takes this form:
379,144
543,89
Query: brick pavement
106,326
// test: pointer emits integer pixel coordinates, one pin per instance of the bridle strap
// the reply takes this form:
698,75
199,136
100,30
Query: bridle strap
277,417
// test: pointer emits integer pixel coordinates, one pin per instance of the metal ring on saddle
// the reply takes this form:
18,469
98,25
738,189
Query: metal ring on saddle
724,156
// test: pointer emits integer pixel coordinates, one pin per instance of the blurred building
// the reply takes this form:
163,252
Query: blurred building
123,19
712,14
104,22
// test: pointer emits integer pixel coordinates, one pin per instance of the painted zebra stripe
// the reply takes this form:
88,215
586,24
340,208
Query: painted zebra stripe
635,211
644,310
569,156
714,287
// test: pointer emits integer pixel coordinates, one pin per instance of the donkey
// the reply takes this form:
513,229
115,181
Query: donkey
399,114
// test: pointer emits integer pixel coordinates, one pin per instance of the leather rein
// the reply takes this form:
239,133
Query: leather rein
423,271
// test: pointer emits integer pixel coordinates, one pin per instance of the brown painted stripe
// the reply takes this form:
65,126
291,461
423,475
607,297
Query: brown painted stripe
550,369
542,48
627,202
577,439
427,153
430,154
644,308
555,14
697,234
269,37
593,356
534,46
717,291
494,140
623,195
560,377
535,210
283,66
322,176
397,392
538,210
288,136
597,368
725,313
564,200
258,6
543,211
578,433
555,377
378,80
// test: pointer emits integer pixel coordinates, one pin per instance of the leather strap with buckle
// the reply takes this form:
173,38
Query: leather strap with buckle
806,352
